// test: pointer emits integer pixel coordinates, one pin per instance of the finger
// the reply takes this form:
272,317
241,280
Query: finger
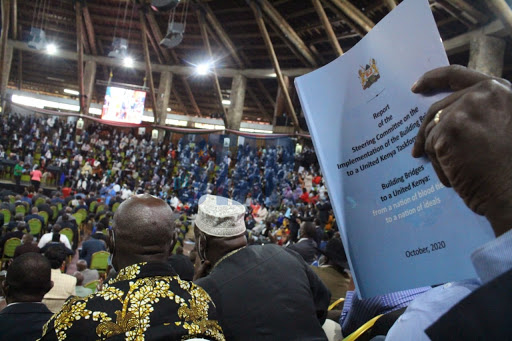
453,77
434,148
419,145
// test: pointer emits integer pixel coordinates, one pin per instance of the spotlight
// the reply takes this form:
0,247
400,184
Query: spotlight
226,102
203,69
128,62
51,48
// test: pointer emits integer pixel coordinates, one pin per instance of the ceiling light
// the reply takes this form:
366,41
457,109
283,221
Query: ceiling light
128,61
203,69
169,109
72,92
226,102
51,48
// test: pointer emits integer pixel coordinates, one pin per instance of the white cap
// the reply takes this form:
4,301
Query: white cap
220,217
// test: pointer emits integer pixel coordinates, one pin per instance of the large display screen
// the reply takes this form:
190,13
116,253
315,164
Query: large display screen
123,105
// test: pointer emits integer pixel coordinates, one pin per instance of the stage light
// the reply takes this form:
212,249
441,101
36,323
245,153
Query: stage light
128,61
226,102
51,48
203,69
169,109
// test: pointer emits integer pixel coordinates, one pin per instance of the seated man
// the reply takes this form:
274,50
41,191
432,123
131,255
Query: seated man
54,237
89,274
91,246
262,292
63,285
467,137
147,300
27,281
35,215
306,246
27,245
80,290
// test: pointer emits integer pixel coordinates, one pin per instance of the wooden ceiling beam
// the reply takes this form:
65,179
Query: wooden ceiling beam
354,13
280,79
177,69
147,60
90,30
287,42
391,4
470,10
328,27
80,52
344,18
206,41
503,11
288,31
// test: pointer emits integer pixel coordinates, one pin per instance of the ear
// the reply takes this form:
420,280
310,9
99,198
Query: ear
5,288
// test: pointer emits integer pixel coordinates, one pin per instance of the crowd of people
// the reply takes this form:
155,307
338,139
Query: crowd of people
267,261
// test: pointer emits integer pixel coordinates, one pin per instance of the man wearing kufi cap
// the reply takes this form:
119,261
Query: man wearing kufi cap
261,292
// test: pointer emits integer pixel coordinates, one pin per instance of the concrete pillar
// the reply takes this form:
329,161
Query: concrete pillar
280,100
164,93
236,108
6,70
89,79
486,54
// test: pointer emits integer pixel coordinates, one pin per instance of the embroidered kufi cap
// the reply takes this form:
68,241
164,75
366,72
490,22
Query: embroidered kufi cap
220,217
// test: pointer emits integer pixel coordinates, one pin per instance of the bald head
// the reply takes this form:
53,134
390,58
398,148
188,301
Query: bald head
81,265
143,230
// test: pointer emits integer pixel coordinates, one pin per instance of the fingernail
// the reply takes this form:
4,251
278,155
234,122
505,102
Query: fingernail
414,86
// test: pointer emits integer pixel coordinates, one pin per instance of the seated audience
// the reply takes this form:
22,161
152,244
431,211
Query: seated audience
89,274
54,237
27,245
63,285
35,215
27,281
15,234
306,246
263,292
89,247
80,290
146,299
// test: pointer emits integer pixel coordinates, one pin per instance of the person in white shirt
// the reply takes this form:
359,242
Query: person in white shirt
50,236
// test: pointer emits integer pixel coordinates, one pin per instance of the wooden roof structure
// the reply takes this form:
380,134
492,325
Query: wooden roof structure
305,34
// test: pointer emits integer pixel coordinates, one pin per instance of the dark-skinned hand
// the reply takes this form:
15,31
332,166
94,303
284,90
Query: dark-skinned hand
471,146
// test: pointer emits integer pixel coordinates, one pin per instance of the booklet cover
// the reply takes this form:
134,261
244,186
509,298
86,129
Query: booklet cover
400,226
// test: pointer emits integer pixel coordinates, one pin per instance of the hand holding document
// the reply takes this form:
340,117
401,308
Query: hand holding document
401,227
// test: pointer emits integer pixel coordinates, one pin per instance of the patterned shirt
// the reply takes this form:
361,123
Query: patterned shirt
146,301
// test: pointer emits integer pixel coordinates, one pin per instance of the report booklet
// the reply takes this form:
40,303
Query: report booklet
400,226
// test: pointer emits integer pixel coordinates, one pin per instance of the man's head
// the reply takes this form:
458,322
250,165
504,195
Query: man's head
79,278
307,230
56,228
28,278
81,265
142,231
21,226
35,210
219,227
56,256
27,238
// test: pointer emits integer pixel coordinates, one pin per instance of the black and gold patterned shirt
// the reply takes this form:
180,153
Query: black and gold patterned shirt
146,301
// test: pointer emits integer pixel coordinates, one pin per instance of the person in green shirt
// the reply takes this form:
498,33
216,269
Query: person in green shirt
18,171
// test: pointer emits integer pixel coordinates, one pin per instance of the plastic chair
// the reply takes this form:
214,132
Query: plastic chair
92,206
115,206
7,215
78,218
35,227
55,212
68,233
99,261
93,285
334,304
20,209
10,245
83,213
101,208
363,329
44,214
39,201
